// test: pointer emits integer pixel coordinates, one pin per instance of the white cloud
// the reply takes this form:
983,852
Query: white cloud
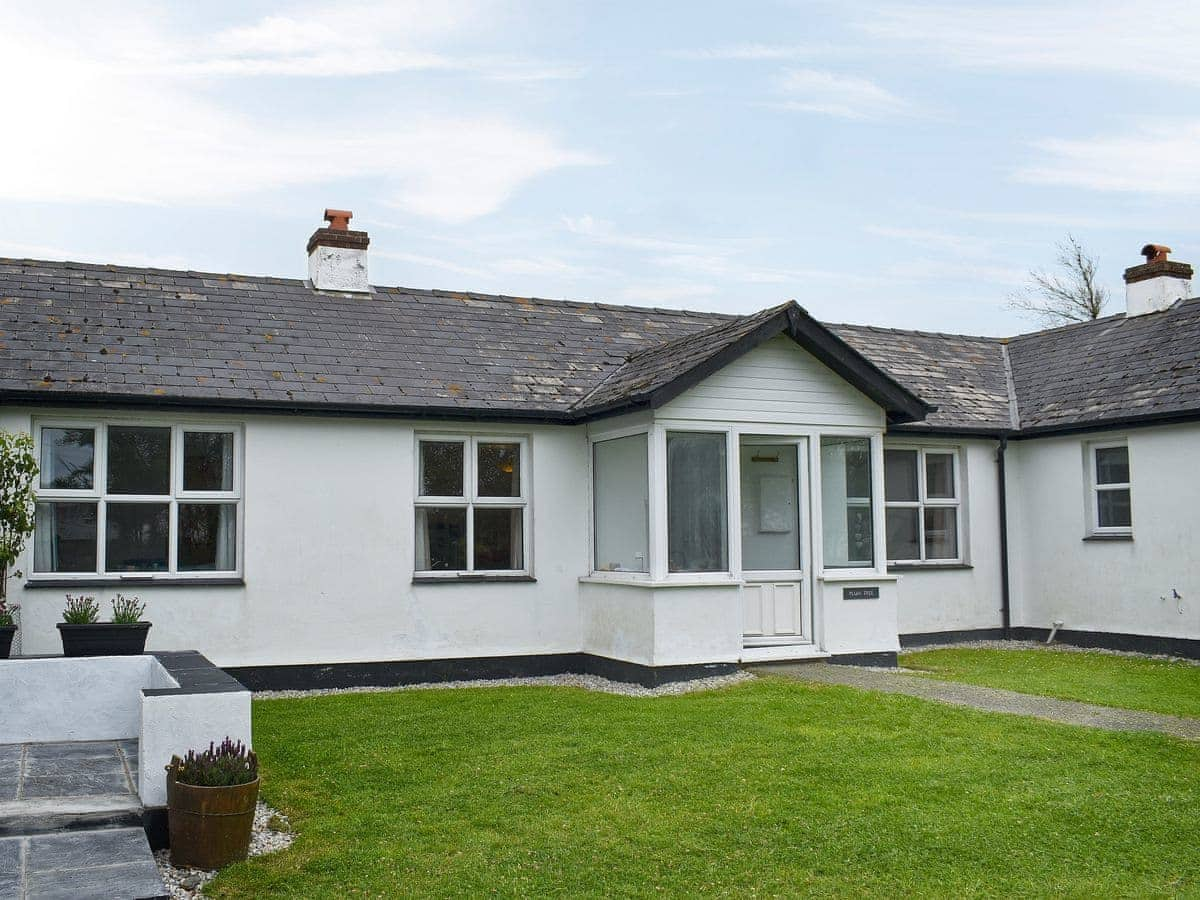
1149,39
933,239
745,52
841,96
665,293
1156,159
118,256
95,129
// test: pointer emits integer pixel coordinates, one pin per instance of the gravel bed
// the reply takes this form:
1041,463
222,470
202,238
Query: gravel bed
1042,645
587,682
185,883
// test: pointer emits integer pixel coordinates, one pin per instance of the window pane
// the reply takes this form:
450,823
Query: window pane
900,475
441,539
498,539
136,537
846,502
499,470
696,503
207,461
621,504
68,456
941,532
207,537
1114,509
770,508
1112,465
441,469
903,533
939,476
64,538
139,460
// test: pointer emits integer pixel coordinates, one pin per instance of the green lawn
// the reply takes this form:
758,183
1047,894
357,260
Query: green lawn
1157,685
770,788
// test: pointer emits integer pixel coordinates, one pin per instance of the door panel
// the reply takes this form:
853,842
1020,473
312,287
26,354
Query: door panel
774,601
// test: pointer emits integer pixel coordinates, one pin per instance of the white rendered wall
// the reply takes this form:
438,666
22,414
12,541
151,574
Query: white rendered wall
172,724
1120,587
662,626
75,699
961,598
857,625
329,555
777,382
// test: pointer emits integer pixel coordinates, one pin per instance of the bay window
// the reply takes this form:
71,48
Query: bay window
471,505
126,499
697,502
921,499
846,519
621,504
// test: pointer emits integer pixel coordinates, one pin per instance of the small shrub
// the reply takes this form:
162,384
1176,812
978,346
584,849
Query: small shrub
228,764
6,612
81,610
127,610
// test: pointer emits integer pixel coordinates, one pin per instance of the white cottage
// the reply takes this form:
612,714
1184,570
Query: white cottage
325,482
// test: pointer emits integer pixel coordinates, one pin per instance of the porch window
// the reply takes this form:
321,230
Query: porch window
621,504
125,498
471,505
846,519
697,502
1112,509
921,496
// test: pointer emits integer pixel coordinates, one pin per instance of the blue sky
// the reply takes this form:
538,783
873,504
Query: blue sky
896,164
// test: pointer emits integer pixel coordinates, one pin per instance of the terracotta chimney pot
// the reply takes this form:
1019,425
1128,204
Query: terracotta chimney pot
339,219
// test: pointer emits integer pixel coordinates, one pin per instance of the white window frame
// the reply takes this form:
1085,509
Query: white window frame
99,494
470,500
600,438
924,500
1095,488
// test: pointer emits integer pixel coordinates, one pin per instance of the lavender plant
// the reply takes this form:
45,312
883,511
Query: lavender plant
127,610
224,765
81,610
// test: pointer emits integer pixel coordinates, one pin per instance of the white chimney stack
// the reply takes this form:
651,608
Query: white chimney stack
337,256
1157,283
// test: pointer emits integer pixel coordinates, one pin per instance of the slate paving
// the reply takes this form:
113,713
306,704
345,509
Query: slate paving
64,823
895,681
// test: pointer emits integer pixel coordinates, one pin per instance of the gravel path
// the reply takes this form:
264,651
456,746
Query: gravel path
588,682
1042,645
185,884
895,681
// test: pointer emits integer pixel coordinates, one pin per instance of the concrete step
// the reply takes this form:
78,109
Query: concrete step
27,817
81,864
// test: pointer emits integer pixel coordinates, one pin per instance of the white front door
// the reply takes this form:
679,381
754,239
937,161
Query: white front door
776,606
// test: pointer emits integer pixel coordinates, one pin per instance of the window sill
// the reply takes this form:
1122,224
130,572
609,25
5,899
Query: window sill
836,576
469,578
669,582
925,567
230,581
1101,538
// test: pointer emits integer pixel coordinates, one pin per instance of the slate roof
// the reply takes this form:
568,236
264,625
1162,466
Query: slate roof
963,376
1109,370
76,331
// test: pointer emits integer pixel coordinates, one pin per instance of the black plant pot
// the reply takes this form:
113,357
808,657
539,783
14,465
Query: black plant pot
6,639
103,639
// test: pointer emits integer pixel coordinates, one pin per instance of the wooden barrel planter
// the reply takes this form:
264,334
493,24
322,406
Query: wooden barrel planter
209,827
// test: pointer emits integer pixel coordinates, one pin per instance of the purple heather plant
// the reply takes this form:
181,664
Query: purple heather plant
224,765
127,610
81,610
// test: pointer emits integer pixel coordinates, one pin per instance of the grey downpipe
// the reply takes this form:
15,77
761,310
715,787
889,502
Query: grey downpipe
1005,609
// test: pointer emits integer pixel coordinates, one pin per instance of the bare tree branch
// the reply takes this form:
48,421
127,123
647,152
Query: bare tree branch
1072,296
